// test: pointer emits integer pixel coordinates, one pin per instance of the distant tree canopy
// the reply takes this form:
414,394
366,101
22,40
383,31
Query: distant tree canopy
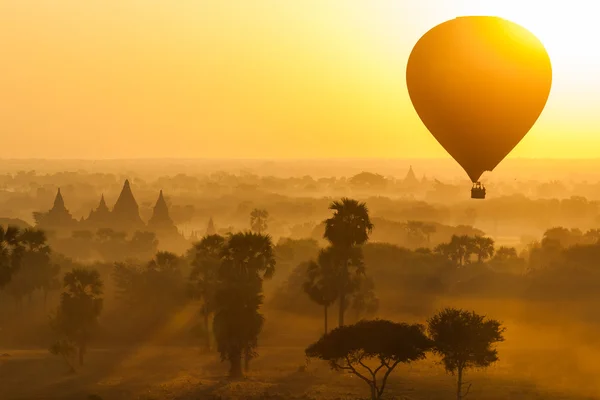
461,249
258,220
153,287
11,251
368,347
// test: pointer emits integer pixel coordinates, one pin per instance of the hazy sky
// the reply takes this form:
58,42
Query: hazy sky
259,78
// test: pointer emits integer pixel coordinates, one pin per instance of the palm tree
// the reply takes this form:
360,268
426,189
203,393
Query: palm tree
246,259
80,306
322,281
348,228
258,220
248,254
482,247
203,278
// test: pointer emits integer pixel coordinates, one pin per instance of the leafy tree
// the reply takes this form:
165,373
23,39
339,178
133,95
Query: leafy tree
562,236
204,276
464,340
36,271
65,349
354,348
506,258
258,220
151,290
246,259
143,244
482,247
419,232
364,300
458,251
348,228
79,309
322,281
237,321
11,251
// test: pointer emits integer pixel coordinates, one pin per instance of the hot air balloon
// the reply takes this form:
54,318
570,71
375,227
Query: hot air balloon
479,84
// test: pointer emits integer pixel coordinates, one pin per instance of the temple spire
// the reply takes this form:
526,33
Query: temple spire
210,229
126,211
102,206
411,178
161,220
59,202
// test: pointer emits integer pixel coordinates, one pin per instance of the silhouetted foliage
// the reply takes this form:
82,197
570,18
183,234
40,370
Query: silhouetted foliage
460,249
246,259
150,292
80,305
348,228
352,348
66,350
364,301
419,233
322,281
464,340
258,220
11,251
206,260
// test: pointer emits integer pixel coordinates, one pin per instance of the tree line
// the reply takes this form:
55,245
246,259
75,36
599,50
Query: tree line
226,275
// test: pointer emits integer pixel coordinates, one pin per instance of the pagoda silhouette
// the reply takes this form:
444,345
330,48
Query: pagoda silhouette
124,217
57,218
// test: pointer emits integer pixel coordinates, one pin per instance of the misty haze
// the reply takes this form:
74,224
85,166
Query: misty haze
299,200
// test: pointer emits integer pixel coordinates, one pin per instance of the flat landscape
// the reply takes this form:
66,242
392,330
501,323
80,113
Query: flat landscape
536,362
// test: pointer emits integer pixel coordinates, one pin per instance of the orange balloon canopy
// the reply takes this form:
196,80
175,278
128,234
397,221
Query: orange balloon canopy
479,84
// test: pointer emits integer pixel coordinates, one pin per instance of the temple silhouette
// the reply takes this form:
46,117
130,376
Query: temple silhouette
124,217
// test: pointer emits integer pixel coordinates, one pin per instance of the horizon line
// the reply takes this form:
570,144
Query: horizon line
271,159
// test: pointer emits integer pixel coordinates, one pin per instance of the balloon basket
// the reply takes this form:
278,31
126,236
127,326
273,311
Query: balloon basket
478,191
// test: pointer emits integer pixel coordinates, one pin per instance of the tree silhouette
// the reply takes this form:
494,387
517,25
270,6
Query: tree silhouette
458,251
11,251
364,300
258,220
464,340
150,290
204,276
352,348
482,247
80,305
36,271
348,228
419,232
246,259
322,280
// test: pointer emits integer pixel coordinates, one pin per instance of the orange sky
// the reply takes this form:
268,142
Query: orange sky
261,78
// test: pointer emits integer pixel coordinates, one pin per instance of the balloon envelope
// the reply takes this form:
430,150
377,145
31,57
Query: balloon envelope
479,84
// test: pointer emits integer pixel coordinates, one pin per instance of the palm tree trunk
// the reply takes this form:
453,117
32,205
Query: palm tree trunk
325,317
246,360
207,331
81,354
235,360
343,293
